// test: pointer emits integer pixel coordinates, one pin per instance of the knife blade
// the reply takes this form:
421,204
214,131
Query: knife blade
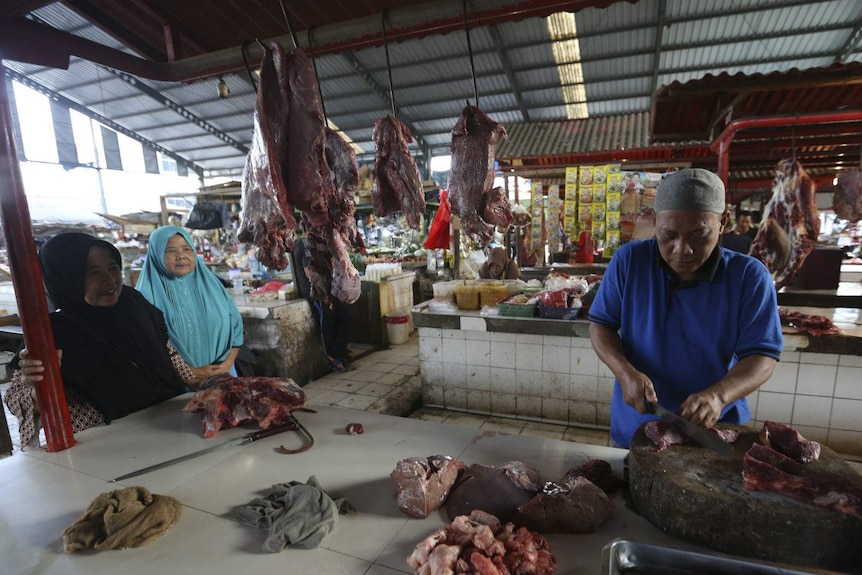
244,440
698,434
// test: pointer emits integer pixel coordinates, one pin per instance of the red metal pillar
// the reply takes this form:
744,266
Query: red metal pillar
27,278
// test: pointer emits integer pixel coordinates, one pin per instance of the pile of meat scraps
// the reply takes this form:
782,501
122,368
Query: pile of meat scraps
790,223
779,465
295,162
225,401
472,194
480,543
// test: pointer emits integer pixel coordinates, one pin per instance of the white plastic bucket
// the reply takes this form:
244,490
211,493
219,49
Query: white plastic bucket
397,326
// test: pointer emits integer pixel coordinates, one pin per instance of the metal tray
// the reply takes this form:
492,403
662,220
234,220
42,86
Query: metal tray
624,557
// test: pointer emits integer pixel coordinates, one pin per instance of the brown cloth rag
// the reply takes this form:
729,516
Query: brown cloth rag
130,517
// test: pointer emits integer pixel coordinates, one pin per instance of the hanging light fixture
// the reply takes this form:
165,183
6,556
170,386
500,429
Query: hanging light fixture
223,90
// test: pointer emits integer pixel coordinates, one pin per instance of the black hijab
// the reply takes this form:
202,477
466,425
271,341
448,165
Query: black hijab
115,357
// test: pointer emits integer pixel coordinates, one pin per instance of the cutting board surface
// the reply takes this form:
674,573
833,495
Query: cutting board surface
699,496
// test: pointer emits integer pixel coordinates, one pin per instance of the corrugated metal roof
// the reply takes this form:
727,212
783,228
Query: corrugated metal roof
572,136
432,77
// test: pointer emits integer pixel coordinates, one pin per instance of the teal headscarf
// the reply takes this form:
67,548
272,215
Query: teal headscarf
203,322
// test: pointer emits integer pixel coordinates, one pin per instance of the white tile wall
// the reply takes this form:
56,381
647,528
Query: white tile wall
811,410
848,383
814,379
560,379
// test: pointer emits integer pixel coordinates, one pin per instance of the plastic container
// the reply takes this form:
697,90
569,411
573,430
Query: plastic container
517,309
445,290
492,293
238,288
397,326
467,296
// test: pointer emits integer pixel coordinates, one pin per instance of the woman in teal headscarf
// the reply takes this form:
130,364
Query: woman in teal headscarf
203,322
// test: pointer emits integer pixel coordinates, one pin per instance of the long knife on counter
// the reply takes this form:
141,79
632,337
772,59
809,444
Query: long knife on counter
291,424
694,432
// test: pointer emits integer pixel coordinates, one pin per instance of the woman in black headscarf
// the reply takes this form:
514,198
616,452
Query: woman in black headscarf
115,354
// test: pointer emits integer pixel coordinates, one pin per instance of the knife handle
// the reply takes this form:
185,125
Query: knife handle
271,431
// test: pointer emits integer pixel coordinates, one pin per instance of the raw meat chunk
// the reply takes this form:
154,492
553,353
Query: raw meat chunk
579,507
395,182
847,199
226,401
788,441
424,483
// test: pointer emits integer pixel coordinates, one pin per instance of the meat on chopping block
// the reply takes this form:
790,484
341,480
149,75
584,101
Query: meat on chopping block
765,469
395,182
226,401
790,223
424,483
698,496
267,214
847,198
664,434
471,175
788,441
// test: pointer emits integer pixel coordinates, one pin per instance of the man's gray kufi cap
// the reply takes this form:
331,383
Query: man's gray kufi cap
693,189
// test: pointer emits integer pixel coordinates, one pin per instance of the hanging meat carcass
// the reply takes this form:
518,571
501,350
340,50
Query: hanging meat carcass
267,215
847,199
395,182
790,223
290,167
471,175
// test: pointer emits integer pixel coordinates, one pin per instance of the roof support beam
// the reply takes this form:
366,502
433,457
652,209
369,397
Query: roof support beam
851,44
72,105
507,68
182,111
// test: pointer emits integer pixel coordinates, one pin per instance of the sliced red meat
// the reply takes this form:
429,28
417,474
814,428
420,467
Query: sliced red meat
847,198
225,401
788,441
424,483
663,434
395,182
764,469
471,175
790,223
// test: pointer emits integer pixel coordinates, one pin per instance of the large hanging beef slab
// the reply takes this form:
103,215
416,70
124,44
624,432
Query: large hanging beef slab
847,198
471,175
395,182
789,225
697,495
267,215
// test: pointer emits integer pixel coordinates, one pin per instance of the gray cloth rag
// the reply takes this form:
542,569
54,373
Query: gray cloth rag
296,514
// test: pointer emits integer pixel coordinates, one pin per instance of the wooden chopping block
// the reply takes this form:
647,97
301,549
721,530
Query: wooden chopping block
697,495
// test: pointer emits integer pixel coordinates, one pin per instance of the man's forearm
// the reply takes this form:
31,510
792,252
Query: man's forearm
745,377
609,347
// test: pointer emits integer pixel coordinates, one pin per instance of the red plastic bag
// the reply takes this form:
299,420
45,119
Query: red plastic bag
268,287
438,233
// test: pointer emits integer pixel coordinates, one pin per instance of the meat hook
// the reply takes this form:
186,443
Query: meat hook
303,432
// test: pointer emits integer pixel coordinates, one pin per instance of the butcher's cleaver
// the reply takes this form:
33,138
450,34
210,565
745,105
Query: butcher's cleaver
694,432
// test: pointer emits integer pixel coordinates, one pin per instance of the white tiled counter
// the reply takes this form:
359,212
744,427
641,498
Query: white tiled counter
546,370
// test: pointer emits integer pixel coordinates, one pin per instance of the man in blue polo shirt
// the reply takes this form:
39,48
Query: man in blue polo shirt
681,321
